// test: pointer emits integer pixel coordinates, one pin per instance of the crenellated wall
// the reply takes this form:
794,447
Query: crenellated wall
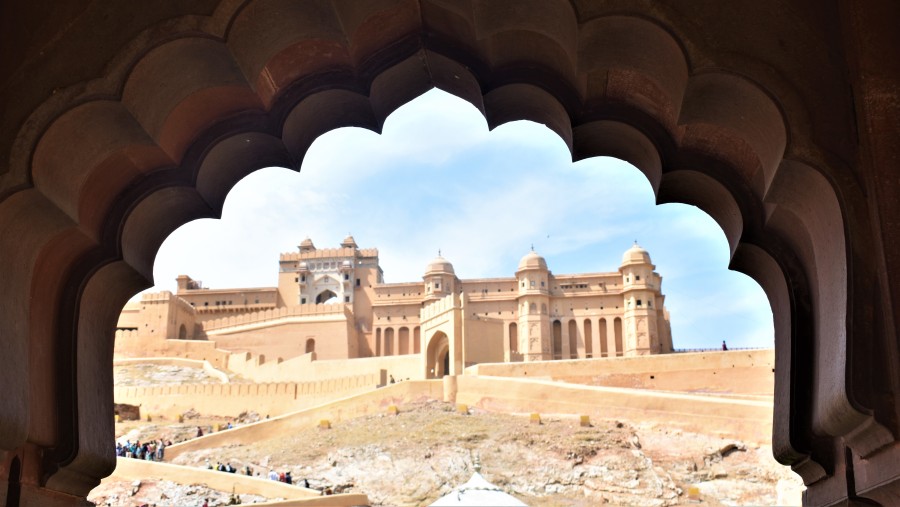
307,368
232,399
234,324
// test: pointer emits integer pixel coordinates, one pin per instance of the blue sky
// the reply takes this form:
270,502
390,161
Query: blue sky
436,178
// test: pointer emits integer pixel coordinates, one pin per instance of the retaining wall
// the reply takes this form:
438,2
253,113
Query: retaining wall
749,420
372,402
232,399
736,372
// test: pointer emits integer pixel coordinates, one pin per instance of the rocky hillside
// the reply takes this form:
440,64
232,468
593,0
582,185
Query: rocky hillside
420,454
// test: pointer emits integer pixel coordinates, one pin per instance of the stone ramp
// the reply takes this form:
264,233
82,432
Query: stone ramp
133,469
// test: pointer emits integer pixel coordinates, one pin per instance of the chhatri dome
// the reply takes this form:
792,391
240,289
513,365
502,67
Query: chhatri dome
636,255
349,242
307,245
532,261
439,265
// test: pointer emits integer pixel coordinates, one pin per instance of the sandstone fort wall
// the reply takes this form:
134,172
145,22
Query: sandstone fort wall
232,399
736,371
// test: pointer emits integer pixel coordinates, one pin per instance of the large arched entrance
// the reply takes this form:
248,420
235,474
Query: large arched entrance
778,120
438,356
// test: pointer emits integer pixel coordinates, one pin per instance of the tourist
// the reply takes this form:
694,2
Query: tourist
230,469
281,477
272,475
199,431
287,477
724,347
160,450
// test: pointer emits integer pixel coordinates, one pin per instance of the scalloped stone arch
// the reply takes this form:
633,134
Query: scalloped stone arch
104,172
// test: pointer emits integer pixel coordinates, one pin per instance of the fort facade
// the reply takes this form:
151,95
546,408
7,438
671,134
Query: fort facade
333,304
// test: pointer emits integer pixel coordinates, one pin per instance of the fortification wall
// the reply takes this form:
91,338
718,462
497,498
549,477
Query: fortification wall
252,320
129,344
749,420
737,371
289,339
305,368
232,399
372,402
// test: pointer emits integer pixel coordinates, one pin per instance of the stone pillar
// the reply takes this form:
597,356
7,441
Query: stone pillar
450,388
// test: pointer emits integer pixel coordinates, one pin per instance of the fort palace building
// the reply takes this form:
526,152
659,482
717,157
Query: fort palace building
334,304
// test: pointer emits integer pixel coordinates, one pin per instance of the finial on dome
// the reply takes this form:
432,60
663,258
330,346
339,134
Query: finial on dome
439,252
477,464
532,247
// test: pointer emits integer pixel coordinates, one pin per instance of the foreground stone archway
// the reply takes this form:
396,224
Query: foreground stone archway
154,130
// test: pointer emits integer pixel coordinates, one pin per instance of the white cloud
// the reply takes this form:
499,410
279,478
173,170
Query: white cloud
437,178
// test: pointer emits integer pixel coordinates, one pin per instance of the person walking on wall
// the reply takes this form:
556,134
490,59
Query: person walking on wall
724,347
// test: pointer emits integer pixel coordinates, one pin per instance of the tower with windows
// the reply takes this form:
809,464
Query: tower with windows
533,282
641,303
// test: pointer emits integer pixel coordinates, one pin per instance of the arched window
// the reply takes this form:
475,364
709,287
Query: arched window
557,339
326,297
310,345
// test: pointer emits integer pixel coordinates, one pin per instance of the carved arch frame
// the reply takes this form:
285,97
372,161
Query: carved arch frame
106,171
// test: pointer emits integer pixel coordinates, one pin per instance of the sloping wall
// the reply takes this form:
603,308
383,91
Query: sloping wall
232,399
725,372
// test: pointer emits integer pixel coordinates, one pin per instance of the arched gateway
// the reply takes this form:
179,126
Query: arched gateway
779,119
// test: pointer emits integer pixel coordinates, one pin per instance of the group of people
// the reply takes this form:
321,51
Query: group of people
150,451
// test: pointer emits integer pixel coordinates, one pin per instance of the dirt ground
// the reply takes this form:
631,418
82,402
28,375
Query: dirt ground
420,454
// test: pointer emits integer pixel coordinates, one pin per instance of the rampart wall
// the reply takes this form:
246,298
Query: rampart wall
305,368
253,320
371,402
749,420
724,372
232,399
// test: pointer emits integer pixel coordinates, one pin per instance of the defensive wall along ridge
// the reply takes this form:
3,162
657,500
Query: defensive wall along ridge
307,368
372,402
284,386
747,372
133,469
232,399
749,420
274,316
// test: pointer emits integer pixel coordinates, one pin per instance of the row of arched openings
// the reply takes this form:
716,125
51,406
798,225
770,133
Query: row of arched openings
584,335
391,343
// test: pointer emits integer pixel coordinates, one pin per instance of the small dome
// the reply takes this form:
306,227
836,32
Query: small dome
349,242
636,255
532,261
307,245
346,264
439,265
303,266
